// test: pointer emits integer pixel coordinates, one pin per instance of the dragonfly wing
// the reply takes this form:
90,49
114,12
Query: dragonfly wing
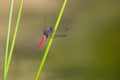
60,35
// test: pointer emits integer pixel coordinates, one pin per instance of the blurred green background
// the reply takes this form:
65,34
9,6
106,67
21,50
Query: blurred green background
91,51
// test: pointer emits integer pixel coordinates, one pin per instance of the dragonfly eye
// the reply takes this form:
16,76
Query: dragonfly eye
51,28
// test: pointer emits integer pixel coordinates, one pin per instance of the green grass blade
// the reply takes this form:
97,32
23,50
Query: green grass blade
14,36
7,39
51,40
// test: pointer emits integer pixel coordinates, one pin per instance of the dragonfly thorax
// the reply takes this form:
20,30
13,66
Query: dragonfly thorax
48,31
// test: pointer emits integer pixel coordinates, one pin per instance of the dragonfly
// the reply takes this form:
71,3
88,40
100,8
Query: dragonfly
46,33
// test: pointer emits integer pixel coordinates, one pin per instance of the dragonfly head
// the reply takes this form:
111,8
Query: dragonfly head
51,28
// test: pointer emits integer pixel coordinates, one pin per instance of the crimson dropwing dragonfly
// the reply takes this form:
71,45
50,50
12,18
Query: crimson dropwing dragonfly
46,33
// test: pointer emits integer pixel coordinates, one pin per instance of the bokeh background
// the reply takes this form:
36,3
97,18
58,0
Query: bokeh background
91,51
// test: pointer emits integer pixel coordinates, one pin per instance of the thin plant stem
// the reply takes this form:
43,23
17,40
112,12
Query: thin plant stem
14,36
51,40
7,39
